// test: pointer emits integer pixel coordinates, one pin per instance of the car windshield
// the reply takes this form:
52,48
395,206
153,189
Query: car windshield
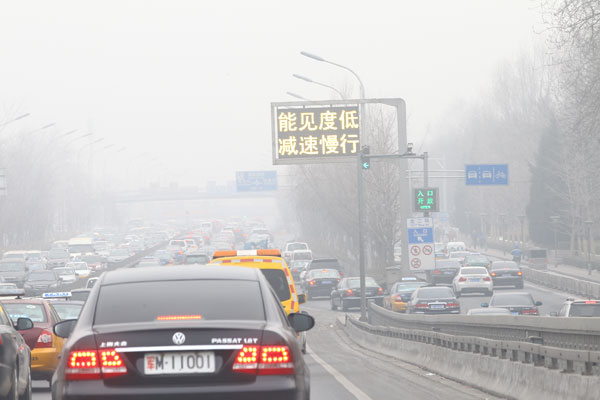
42,276
208,300
473,271
324,273
57,254
35,312
197,259
435,293
67,310
513,299
585,310
297,246
64,271
12,267
408,287
355,283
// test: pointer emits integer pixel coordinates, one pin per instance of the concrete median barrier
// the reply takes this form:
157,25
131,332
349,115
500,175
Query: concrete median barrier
476,363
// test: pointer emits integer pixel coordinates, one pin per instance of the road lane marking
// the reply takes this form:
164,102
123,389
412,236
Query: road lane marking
356,392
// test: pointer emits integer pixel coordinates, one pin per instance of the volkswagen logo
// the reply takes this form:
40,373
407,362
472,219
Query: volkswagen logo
178,338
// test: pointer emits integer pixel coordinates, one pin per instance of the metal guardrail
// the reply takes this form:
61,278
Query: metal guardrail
582,361
563,333
561,282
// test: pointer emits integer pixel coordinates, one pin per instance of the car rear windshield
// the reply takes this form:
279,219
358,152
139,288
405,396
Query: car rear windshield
35,312
149,301
517,299
278,280
537,254
473,271
504,265
302,255
355,283
297,246
435,293
80,296
584,310
66,310
447,264
42,276
200,259
408,287
325,273
325,264
12,267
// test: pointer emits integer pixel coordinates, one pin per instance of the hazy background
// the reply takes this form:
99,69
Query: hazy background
189,82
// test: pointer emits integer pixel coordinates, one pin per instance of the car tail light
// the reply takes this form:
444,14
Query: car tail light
398,297
380,291
590,302
264,360
424,305
519,273
493,274
436,271
462,279
349,292
452,305
44,341
312,282
487,279
94,364
529,311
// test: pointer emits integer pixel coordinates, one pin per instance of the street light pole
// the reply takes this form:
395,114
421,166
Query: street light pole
503,232
522,222
588,225
555,219
304,78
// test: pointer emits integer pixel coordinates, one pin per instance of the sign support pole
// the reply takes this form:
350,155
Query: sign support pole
361,244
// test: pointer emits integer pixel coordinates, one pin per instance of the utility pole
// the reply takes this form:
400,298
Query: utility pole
588,225
555,219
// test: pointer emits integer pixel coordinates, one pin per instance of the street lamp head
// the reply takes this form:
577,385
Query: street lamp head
313,56
302,78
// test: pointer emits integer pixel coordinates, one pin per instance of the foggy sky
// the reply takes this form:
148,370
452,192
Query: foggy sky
191,81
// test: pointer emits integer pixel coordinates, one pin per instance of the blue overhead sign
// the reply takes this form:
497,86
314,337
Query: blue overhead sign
486,174
256,181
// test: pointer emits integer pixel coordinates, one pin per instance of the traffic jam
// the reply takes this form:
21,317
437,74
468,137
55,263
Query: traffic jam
216,312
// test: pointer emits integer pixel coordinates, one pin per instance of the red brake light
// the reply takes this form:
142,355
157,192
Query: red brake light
436,271
398,297
380,291
452,305
273,360
178,317
44,341
93,364
590,302
349,292
312,282
530,311
421,305
462,279
519,273
487,279
493,274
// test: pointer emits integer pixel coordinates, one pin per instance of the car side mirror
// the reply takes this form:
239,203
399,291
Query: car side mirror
302,298
64,328
538,303
301,322
24,324
484,305
554,314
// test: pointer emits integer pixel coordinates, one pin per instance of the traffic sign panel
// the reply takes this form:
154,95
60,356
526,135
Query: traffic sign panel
427,250
415,250
486,174
256,181
415,263
421,235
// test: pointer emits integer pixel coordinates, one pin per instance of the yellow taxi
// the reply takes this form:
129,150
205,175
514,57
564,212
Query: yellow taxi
400,293
45,345
274,268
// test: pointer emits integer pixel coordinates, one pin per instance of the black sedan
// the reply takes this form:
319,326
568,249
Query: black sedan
518,303
320,282
183,333
15,359
433,300
445,271
506,273
347,293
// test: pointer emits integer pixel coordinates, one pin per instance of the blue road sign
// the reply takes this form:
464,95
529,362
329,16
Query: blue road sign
486,174
420,235
256,181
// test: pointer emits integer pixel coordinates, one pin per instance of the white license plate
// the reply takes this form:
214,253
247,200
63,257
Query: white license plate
436,306
515,313
326,282
196,362
474,279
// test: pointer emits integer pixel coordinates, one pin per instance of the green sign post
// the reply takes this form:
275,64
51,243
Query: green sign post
426,200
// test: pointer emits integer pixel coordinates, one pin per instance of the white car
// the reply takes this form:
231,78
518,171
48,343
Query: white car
473,280
293,246
82,269
66,274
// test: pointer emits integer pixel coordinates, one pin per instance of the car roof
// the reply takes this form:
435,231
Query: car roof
25,300
132,275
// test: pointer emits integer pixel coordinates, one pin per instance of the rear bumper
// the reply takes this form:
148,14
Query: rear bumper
355,300
265,387
508,281
43,363
399,306
442,278
434,312
319,291
475,287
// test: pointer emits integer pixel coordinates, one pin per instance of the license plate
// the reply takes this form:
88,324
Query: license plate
515,313
474,279
437,306
200,362
325,282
